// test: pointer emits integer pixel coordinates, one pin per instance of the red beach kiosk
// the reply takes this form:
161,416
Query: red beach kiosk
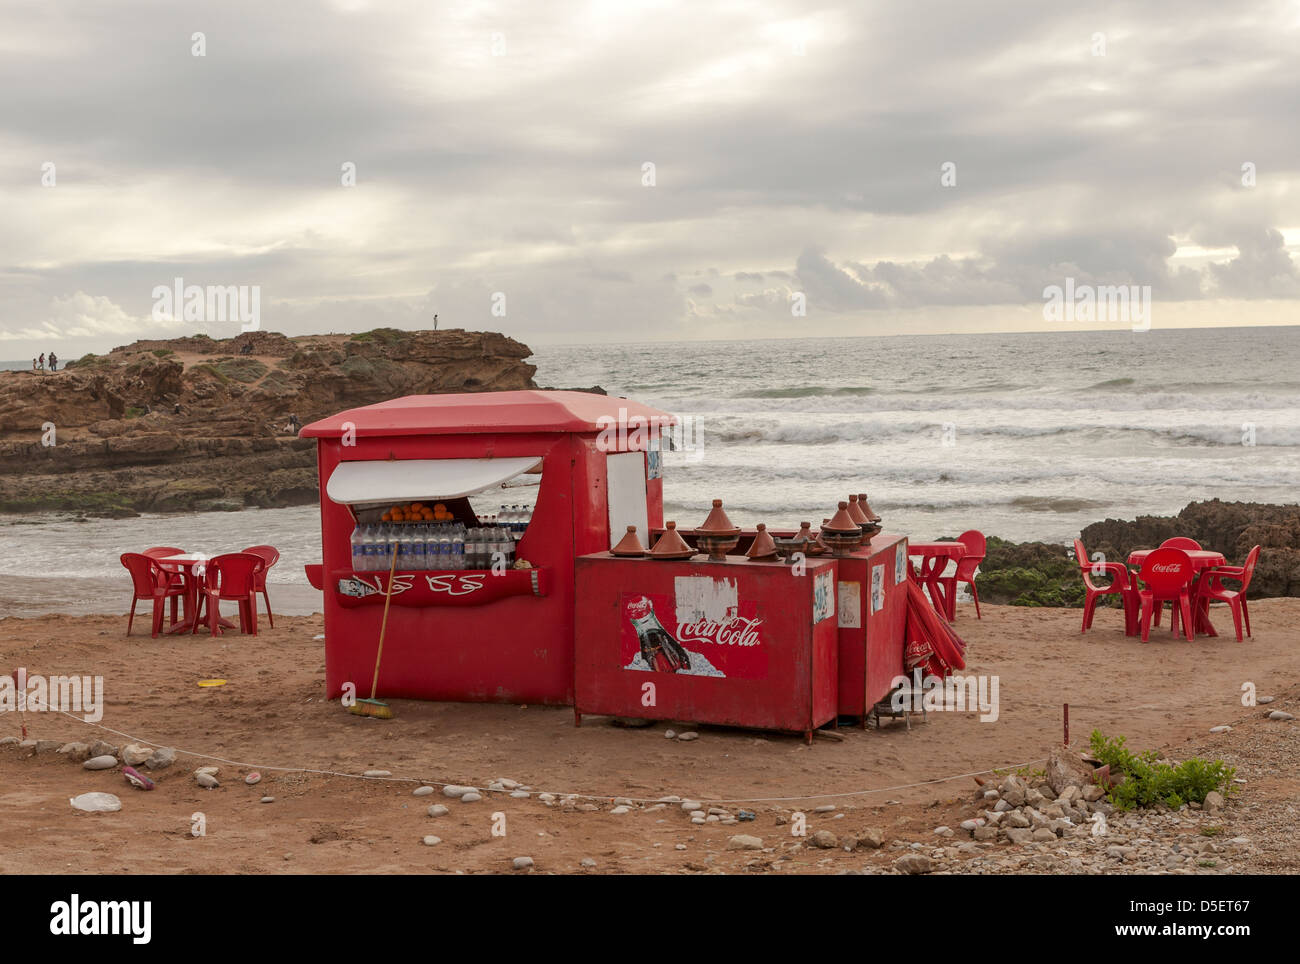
475,634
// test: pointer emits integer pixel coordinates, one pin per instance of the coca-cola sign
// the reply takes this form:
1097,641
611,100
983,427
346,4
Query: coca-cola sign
736,631
690,636
1173,567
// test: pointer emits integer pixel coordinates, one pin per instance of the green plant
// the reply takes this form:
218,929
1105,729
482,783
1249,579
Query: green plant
133,412
1148,782
162,352
1211,831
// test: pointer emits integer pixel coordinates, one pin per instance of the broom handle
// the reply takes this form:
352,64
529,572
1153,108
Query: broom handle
383,625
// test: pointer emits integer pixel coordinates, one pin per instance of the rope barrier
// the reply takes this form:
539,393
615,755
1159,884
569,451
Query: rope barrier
556,793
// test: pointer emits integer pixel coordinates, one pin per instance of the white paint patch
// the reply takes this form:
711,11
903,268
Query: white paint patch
850,605
823,596
705,598
877,588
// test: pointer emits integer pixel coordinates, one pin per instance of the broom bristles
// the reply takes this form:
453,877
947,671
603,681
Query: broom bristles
373,708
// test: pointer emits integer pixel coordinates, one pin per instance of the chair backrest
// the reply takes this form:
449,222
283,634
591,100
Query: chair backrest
1166,571
975,544
162,552
1081,554
1248,569
234,574
1180,542
269,554
146,574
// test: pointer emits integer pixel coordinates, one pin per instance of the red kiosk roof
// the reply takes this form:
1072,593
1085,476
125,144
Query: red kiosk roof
474,413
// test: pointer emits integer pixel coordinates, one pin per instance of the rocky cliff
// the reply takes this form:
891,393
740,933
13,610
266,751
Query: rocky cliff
196,423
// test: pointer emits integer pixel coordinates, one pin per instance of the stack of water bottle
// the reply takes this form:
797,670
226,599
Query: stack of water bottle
439,545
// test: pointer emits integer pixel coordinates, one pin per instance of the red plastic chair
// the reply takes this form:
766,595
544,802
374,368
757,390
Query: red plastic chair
269,555
1167,575
231,576
1120,582
150,581
976,546
175,575
1210,587
1181,542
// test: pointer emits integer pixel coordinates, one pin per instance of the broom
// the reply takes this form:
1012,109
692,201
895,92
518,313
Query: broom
372,707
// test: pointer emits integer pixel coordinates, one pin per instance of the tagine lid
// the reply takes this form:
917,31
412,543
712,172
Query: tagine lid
856,513
841,521
629,546
671,545
717,524
764,546
866,508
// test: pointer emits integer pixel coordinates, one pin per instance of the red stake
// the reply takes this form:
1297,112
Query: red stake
1067,723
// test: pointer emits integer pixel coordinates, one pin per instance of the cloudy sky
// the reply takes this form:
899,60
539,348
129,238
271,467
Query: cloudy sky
502,149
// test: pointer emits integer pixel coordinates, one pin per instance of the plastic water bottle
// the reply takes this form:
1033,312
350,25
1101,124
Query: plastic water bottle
418,560
358,549
458,550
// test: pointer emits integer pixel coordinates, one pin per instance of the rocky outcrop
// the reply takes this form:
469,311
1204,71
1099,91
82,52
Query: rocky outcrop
196,423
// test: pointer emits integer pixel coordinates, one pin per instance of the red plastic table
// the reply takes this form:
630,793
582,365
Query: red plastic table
1201,559
185,564
934,560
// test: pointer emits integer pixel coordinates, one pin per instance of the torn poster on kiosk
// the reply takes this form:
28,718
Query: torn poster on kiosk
704,629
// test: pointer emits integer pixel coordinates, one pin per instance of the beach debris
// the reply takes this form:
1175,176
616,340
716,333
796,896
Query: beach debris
162,758
96,802
210,683
137,779
206,780
746,815
522,863
104,762
133,754
253,778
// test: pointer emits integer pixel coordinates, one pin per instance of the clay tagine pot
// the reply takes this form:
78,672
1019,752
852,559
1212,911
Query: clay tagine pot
671,545
763,547
866,508
841,533
717,536
629,546
801,542
855,510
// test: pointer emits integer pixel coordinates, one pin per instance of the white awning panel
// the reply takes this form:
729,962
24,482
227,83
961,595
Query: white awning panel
406,480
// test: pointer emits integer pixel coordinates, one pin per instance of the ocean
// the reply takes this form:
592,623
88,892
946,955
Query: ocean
1023,436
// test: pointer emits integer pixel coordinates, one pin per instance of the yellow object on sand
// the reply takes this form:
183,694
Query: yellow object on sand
212,682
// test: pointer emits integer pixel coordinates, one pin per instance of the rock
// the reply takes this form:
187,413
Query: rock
77,752
619,810
1020,835
873,838
521,794
376,774
1093,793
670,734
522,863
587,862
743,841
206,780
943,831
1043,835
439,810
824,839
210,771
162,758
1002,807
1214,802
680,846
1034,798
691,806
471,797
1280,715
422,791
48,746
1016,819
96,802
687,737
1221,729
100,748
1265,700
970,826
985,833
253,778
454,791
104,762
134,755
508,784
1065,768
12,741
432,841
27,748
913,864
268,799
825,808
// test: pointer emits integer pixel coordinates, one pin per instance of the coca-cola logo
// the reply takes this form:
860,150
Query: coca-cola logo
1167,567
639,608
735,631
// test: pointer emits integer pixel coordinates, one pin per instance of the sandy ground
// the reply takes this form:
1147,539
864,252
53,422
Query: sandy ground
271,714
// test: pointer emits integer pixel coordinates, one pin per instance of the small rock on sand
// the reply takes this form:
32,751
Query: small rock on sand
377,773
96,803
432,841
422,791
77,752
268,799
133,754
100,748
438,810
743,841
824,839
587,862
104,762
452,790
687,737
1280,715
471,797
162,757
206,780
522,863
913,864
1221,729
619,810
253,778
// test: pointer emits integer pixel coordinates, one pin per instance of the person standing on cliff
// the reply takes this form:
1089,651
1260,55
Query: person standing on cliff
42,360
54,362
294,423
435,322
